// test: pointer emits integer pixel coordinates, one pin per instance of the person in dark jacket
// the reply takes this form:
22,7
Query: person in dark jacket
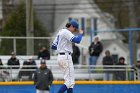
137,65
43,78
107,62
13,61
44,53
121,74
75,54
95,50
29,67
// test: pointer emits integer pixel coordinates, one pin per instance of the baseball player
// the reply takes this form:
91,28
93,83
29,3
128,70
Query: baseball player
63,44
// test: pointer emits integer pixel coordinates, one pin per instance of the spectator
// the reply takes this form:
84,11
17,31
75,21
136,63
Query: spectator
138,65
107,62
28,69
75,54
136,71
95,49
3,73
1,64
43,78
13,61
121,74
44,53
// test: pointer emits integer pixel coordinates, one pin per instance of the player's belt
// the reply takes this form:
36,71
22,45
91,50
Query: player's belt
64,53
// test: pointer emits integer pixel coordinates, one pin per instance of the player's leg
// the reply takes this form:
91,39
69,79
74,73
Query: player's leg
70,90
63,66
65,63
62,89
68,82
71,76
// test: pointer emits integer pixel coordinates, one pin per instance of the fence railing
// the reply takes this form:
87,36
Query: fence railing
82,72
15,43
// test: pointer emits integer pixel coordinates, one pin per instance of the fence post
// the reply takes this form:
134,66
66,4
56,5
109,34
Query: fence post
130,48
14,45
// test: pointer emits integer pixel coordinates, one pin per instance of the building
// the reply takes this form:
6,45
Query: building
54,14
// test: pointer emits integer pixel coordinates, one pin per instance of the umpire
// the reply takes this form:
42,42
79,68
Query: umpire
43,78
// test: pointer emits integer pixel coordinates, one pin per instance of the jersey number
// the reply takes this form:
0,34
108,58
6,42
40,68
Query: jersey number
57,40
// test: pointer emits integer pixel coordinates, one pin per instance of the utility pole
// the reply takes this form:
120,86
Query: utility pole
29,27
133,24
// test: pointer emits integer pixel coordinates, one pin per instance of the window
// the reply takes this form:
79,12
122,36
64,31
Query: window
88,26
84,23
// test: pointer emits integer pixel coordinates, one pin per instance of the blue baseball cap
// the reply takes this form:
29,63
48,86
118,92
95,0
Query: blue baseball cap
74,23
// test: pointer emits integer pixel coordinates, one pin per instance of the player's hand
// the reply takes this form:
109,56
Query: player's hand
81,31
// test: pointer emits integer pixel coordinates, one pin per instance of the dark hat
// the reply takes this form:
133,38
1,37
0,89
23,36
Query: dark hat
121,58
43,62
74,23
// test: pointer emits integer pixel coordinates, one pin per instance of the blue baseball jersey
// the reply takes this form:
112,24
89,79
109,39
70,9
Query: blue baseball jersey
63,41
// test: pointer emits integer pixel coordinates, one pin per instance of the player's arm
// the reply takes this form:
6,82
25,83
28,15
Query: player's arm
76,39
55,42
72,38
53,46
